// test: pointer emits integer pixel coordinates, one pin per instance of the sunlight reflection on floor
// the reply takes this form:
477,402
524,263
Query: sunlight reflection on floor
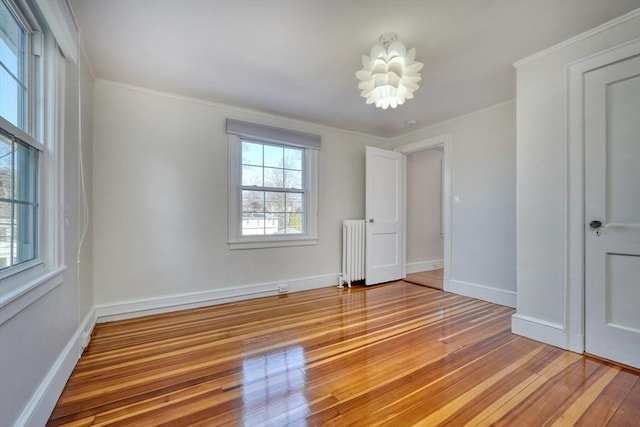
274,386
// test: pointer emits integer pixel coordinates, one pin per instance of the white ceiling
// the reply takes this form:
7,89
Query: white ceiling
298,58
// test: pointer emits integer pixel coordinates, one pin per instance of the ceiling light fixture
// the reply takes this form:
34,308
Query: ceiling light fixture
390,75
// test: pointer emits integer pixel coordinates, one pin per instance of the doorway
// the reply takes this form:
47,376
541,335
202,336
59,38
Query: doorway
427,227
425,231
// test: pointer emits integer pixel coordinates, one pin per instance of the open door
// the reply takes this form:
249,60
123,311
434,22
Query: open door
384,215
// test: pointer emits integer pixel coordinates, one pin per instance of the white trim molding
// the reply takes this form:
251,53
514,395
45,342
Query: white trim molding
485,293
546,332
22,296
165,304
43,401
416,267
539,330
590,33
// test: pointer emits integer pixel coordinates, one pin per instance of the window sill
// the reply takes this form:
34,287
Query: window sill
16,298
263,244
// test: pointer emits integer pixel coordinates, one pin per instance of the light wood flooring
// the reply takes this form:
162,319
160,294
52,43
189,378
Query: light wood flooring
395,355
433,279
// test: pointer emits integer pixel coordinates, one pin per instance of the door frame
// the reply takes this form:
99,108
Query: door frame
424,144
574,314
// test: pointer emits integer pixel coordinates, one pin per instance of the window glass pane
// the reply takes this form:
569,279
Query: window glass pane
274,177
6,234
25,178
294,202
8,56
253,225
251,153
252,202
293,179
278,226
295,223
293,158
252,175
10,99
13,70
25,233
273,156
19,204
6,158
274,202
295,213
12,41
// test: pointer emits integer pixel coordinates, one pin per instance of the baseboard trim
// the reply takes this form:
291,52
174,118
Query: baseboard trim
148,306
485,293
42,402
416,267
540,330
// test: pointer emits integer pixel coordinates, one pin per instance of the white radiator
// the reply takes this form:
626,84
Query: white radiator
353,237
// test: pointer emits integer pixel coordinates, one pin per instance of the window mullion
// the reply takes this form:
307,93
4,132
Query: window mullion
273,189
13,197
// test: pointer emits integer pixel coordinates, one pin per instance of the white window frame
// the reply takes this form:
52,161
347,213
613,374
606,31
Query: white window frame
239,131
25,283
32,132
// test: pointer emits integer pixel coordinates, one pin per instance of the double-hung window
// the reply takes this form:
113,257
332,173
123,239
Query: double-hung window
19,149
272,186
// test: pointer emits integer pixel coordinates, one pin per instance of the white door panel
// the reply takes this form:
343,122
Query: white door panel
384,178
612,197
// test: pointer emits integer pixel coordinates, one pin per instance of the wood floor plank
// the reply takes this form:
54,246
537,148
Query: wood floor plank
395,354
628,413
607,403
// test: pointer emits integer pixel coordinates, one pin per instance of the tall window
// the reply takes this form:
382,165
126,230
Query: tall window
273,190
273,197
19,151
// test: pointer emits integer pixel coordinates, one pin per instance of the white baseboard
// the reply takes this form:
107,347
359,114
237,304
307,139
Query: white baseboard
416,267
485,293
39,408
539,330
165,304
575,342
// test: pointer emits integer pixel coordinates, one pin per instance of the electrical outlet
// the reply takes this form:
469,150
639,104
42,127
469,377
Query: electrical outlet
283,289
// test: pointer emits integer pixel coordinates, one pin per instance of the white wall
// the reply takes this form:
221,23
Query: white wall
37,346
424,210
160,201
542,165
483,223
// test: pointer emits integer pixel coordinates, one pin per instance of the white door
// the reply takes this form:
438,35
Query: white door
384,215
612,212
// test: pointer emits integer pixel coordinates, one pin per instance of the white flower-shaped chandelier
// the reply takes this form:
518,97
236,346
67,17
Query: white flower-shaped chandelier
390,75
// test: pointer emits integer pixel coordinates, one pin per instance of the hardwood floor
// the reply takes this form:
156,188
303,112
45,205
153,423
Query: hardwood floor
396,355
433,279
